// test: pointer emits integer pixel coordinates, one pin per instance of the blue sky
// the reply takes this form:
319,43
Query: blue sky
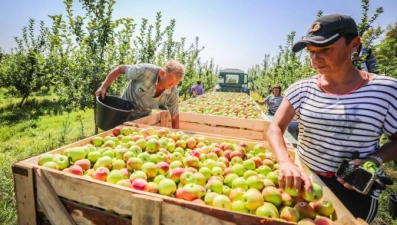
235,33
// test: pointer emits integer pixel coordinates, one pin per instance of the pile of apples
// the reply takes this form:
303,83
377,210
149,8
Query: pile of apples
237,177
236,105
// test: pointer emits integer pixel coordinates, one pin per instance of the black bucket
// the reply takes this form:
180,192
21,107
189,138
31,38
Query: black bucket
393,205
112,111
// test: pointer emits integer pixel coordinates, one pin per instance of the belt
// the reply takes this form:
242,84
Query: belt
325,174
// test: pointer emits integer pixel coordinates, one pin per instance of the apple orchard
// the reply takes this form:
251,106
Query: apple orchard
235,177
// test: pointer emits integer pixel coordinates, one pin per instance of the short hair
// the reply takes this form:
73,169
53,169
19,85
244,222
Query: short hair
199,82
173,66
277,86
349,37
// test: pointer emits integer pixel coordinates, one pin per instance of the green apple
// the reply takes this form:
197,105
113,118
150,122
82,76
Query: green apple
236,194
138,174
209,198
215,185
222,201
104,161
273,176
238,206
249,164
76,153
175,164
51,165
324,207
240,182
252,199
315,195
272,194
108,152
289,214
266,211
206,172
150,169
263,169
94,156
97,141
255,182
118,164
191,191
249,173
135,149
158,178
145,157
217,171
229,179
62,161
239,169
46,157
115,176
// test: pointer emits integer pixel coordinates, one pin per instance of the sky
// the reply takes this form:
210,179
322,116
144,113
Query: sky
235,33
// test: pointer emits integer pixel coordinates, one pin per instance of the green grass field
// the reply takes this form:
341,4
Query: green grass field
40,126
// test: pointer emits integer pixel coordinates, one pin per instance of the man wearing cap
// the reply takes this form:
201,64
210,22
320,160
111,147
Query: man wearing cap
342,113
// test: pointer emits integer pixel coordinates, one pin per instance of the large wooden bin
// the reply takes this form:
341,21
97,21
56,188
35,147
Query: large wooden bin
46,196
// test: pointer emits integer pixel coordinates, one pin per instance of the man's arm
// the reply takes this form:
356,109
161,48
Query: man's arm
113,75
264,101
175,121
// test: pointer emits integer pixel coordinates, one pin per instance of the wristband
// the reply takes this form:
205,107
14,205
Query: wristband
377,158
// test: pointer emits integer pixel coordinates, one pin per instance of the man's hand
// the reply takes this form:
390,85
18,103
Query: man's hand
101,91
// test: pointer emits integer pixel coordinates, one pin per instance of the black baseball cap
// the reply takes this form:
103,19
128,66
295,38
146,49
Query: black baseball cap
327,30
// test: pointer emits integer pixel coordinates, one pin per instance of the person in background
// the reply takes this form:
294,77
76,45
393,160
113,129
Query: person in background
342,113
149,87
272,101
196,90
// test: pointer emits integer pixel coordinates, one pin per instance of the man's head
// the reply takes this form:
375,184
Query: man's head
198,82
327,30
171,74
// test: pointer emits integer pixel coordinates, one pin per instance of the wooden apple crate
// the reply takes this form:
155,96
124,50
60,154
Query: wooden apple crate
46,196
226,126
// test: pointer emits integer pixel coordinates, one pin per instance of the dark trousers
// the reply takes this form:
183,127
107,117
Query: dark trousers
359,205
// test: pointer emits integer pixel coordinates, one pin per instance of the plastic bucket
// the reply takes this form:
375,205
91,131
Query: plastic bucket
112,111
393,205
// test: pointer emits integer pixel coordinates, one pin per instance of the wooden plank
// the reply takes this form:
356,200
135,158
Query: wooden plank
257,125
146,210
83,215
226,131
49,201
24,193
151,119
90,192
165,119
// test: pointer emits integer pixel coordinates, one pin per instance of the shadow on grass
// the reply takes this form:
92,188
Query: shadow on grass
32,109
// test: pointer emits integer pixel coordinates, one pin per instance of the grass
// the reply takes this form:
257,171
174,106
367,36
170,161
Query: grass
40,126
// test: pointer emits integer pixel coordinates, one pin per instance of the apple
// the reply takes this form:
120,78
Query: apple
255,182
212,156
224,160
236,160
135,149
61,160
180,143
266,211
226,190
324,207
191,142
152,146
158,178
229,179
249,173
152,187
222,201
215,185
252,199
109,143
134,163
268,182
101,173
126,172
97,141
289,214
115,176
51,165
191,161
138,174
118,164
116,131
292,191
150,169
145,157
322,220
104,161
272,194
191,191
144,132
315,195
199,201
76,170
269,163
273,176
179,193
305,210
209,198
85,164
162,168
124,183
258,148
187,177
139,184
46,157
175,164
94,156
141,143
227,171
238,206
239,169
119,152
176,156
240,182
209,163
236,194
128,155
200,178
206,172
286,199
108,152
219,152
176,174
217,171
